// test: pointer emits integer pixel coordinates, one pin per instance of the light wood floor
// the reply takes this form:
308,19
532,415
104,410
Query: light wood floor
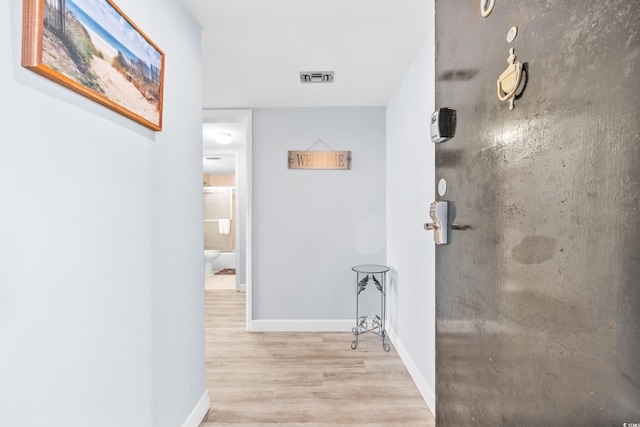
301,379
216,282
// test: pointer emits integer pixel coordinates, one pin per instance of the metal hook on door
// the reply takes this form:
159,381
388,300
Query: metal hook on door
510,79
486,7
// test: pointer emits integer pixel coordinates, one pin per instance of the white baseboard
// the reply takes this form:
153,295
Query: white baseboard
302,325
427,393
199,411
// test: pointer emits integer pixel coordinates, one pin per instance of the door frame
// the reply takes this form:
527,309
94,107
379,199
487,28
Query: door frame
213,115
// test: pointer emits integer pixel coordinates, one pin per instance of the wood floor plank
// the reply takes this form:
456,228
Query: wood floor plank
301,379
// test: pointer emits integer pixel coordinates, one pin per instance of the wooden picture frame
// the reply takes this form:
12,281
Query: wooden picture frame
92,48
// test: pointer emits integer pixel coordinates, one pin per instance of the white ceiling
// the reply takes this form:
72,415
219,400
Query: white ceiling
253,50
219,164
220,159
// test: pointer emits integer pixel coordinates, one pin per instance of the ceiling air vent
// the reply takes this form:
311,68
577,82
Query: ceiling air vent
316,76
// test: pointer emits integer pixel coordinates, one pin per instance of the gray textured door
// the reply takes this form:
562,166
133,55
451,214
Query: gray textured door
538,305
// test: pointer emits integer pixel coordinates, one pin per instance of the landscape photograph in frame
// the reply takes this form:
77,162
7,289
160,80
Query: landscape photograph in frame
91,47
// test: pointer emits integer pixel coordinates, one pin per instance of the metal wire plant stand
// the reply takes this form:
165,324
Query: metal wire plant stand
377,324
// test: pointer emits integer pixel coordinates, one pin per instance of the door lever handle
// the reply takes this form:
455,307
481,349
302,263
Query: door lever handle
439,213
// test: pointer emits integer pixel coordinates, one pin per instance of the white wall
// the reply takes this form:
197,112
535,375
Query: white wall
410,189
101,300
311,226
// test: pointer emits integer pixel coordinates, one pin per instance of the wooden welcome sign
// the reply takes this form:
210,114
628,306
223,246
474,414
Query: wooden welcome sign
319,159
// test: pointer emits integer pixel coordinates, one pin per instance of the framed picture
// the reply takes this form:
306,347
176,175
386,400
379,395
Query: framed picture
91,47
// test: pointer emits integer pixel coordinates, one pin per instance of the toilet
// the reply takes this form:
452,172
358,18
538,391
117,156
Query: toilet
209,257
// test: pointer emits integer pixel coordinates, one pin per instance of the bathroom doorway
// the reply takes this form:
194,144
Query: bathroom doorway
220,218
226,153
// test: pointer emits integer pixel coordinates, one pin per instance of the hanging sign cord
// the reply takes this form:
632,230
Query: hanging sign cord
319,141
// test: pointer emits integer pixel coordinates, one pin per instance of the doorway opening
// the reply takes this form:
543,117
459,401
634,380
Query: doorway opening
226,166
